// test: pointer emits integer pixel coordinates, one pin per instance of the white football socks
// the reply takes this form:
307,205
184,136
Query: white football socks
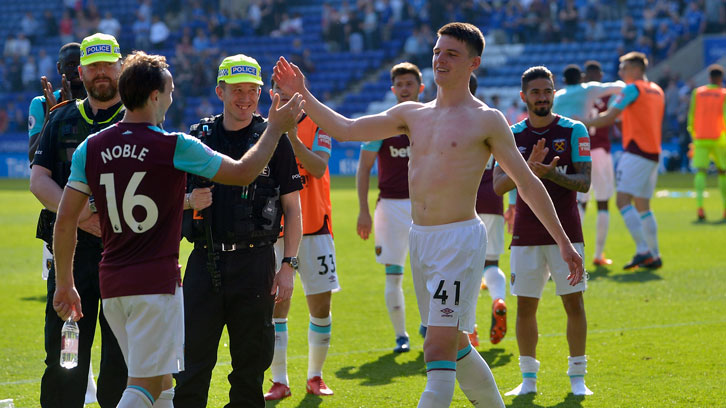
635,227
650,230
278,368
135,397
166,399
395,302
476,379
496,282
577,370
318,344
440,383
529,367
603,223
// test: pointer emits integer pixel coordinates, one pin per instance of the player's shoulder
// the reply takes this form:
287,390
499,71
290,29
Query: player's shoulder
569,123
519,127
62,105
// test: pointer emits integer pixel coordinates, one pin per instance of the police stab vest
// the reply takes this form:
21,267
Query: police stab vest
247,215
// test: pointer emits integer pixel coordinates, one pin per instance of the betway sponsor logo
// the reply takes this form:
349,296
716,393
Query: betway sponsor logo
403,152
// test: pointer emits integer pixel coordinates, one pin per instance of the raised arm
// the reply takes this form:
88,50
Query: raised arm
362,181
372,127
604,119
245,170
314,162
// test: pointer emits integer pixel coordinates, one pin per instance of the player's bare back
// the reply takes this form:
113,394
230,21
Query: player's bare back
448,156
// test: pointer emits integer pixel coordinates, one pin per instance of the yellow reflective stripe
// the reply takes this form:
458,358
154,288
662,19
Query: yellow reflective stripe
79,105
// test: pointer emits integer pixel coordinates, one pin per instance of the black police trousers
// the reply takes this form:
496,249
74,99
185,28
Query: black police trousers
64,388
245,306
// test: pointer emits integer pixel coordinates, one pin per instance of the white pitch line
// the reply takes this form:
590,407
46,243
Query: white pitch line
381,350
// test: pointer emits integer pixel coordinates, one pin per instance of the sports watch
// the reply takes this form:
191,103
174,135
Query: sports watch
292,260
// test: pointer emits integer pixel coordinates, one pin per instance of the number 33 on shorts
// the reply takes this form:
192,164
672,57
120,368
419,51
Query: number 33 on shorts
443,296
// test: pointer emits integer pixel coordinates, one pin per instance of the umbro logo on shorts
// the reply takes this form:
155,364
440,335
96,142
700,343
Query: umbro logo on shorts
447,312
331,278
512,279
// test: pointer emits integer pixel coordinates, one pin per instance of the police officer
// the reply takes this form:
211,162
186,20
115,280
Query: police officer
68,125
230,277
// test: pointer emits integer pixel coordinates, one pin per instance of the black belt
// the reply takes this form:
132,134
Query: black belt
233,246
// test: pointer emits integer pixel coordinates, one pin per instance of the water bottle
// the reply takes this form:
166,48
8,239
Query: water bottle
69,344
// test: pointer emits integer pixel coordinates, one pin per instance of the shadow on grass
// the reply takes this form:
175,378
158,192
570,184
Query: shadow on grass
39,298
384,370
637,275
570,401
496,357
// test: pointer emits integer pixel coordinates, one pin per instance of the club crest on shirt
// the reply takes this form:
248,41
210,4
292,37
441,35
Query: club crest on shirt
559,145
379,250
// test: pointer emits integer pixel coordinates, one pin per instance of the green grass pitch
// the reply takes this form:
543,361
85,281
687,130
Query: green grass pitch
656,338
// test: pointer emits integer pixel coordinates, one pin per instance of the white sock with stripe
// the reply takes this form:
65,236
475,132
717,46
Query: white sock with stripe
166,399
603,223
650,229
529,367
278,368
476,379
318,344
577,368
394,299
135,397
440,383
635,227
496,282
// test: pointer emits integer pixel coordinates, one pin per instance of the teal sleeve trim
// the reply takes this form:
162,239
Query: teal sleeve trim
78,164
373,146
629,95
463,352
513,197
320,329
193,156
316,144
441,365
580,142
394,270
280,327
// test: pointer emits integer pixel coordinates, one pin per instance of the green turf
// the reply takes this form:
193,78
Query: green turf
655,336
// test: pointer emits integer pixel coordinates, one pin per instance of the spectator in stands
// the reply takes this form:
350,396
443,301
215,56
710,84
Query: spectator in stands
16,118
629,32
145,9
141,29
644,45
200,41
65,28
715,16
15,74
695,20
18,46
254,15
356,40
370,27
204,109
4,121
109,25
664,42
570,20
3,78
185,48
29,26
158,33
335,35
46,65
672,106
594,31
49,27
